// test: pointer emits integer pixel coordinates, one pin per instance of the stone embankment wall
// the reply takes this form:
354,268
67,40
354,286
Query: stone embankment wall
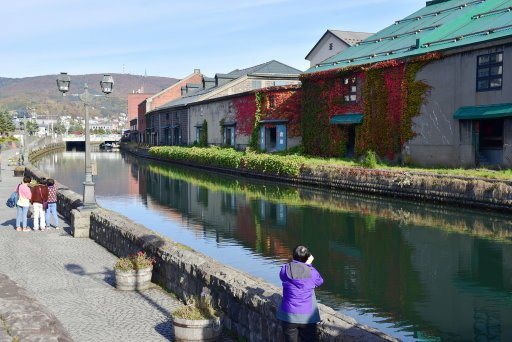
249,304
463,191
431,187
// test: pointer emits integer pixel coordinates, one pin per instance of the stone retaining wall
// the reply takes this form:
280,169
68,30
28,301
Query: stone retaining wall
463,191
249,303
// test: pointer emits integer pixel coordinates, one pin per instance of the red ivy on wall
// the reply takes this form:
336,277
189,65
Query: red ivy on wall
283,103
245,108
388,95
277,103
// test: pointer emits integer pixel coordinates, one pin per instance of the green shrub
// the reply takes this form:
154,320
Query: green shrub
369,160
203,134
222,157
273,164
7,139
230,158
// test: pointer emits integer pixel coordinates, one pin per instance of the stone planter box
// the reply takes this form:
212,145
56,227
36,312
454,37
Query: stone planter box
189,330
134,279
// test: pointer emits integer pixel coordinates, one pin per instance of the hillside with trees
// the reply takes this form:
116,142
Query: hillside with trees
40,94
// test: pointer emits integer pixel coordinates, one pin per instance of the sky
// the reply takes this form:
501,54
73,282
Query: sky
172,38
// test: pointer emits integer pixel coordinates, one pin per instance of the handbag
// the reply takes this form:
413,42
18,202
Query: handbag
45,203
12,200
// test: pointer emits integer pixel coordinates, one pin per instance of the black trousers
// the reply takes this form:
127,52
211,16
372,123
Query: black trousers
294,332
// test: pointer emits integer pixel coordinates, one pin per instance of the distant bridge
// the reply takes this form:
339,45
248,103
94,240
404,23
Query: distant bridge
95,138
78,141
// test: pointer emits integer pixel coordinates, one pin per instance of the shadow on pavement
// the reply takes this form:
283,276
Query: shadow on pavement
165,329
9,223
107,275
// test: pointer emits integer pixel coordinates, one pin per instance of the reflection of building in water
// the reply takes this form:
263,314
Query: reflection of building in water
468,278
225,213
384,263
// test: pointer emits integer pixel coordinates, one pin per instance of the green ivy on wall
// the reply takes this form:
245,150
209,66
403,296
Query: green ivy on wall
203,134
253,141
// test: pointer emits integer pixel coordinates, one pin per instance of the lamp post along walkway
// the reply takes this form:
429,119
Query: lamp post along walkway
107,84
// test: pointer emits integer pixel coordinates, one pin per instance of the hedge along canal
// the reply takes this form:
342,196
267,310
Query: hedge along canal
249,303
390,263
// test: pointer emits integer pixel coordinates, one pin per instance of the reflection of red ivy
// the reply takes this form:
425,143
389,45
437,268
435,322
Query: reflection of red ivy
246,225
245,108
388,96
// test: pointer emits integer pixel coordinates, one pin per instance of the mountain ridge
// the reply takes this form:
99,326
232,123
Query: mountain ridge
40,93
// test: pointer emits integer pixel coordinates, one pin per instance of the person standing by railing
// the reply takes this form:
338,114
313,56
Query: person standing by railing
298,311
39,199
23,204
52,204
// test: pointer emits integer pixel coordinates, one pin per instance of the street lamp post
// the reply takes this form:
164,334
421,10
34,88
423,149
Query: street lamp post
23,127
107,83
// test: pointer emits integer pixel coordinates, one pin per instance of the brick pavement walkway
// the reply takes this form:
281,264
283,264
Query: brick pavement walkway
74,280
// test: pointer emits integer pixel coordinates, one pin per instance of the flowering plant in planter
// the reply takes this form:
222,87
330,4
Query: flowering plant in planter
134,272
137,261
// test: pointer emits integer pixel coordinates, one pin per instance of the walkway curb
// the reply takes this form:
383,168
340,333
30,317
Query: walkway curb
23,317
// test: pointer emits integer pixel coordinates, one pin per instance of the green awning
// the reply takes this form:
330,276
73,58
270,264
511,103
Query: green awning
346,119
483,112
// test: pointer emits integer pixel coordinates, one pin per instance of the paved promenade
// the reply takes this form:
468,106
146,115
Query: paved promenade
54,287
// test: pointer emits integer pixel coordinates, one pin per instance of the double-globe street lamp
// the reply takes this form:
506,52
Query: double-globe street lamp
107,83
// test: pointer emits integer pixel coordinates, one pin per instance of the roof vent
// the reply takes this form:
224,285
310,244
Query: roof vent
435,2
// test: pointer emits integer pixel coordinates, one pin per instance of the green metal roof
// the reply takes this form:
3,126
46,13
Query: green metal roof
439,26
346,119
484,112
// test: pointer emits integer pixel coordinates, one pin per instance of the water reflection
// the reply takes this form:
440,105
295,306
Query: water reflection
417,271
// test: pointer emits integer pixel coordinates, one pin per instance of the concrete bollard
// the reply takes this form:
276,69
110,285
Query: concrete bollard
80,223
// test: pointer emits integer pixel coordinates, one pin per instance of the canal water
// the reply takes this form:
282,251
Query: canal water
420,272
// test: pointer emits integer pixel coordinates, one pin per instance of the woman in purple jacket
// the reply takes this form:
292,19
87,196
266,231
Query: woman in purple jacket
299,311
